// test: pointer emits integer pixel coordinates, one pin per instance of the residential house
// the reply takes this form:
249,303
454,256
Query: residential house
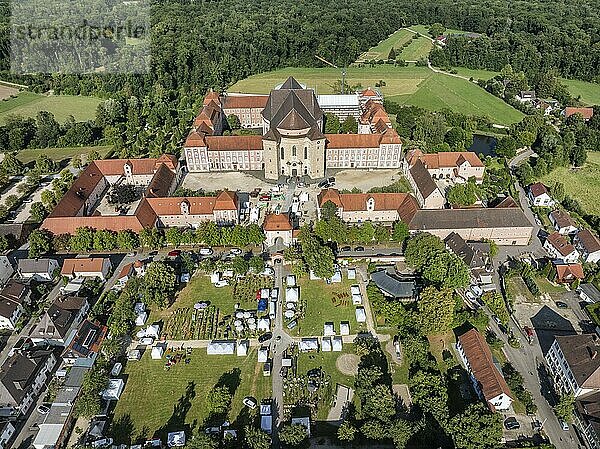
574,364
587,419
40,270
376,207
588,245
567,273
526,96
589,293
6,270
586,113
539,196
485,375
559,248
22,378
475,254
278,230
563,222
453,166
13,297
126,273
59,323
93,267
86,343
428,195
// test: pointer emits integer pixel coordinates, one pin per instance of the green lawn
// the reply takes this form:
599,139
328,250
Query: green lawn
424,29
151,393
322,305
476,74
516,287
326,361
28,104
411,85
381,50
589,92
583,183
417,49
59,154
594,312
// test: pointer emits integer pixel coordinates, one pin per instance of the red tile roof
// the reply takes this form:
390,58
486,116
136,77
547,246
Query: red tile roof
561,244
562,219
538,189
245,101
450,159
482,365
194,139
570,272
172,205
277,222
90,265
233,143
125,271
590,242
587,113
226,200
368,92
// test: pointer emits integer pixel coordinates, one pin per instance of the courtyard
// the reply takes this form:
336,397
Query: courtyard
156,401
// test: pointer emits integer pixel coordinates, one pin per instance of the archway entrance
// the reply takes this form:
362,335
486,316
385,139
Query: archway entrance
294,172
278,244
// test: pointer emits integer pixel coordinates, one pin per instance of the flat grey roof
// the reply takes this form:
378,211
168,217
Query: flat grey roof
393,286
510,217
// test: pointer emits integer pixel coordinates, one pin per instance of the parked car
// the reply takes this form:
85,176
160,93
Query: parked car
470,296
345,248
359,248
265,197
323,183
564,426
250,402
205,251
265,337
35,426
102,442
331,179
221,283
511,423
268,271
562,305
496,319
235,251
146,341
174,253
43,409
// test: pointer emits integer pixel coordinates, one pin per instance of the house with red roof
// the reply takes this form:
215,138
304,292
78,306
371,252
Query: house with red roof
586,113
568,272
539,196
278,230
559,248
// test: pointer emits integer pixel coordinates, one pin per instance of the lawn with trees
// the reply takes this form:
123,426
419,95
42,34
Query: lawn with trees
29,104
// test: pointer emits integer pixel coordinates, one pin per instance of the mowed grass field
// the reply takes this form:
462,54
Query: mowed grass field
411,85
589,93
583,183
28,104
156,401
381,50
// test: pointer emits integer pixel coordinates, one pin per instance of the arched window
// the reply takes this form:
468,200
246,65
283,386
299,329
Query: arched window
371,204
282,153
294,151
305,152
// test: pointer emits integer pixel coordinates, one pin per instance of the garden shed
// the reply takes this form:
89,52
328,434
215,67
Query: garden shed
215,277
351,273
290,280
337,277
176,439
264,324
355,290
113,390
357,299
344,328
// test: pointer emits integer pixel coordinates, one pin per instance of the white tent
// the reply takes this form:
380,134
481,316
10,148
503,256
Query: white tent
113,390
141,318
328,329
351,273
357,299
176,439
336,344
264,324
263,355
286,361
242,348
264,293
355,290
221,347
214,278
157,352
152,331
337,277
290,280
326,344
289,313
361,316
292,294
308,344
228,273
344,328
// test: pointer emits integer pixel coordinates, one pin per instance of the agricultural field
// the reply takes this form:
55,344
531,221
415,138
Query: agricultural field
411,85
476,74
584,182
7,91
156,401
323,303
184,322
28,104
417,49
381,50
589,93
60,154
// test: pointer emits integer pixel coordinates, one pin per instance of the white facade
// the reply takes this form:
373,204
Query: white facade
572,257
6,270
543,200
40,275
383,156
564,380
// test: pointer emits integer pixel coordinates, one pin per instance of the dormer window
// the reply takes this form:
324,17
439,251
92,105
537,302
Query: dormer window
185,207
127,169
